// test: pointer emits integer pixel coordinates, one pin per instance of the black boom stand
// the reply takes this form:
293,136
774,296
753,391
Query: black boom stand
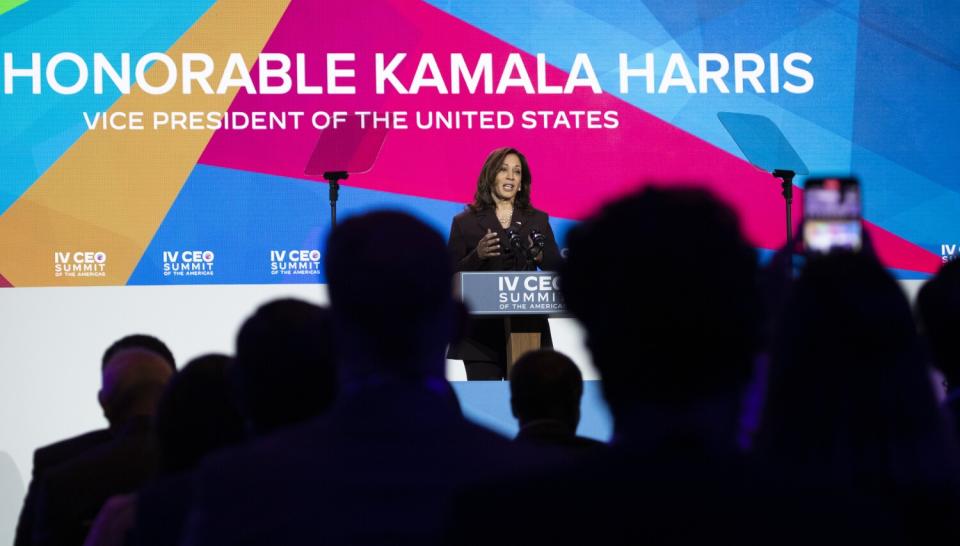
764,145
334,178
786,177
339,152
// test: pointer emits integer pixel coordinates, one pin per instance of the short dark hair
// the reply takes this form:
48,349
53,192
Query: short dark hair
483,198
197,413
139,341
284,367
667,290
546,384
389,278
938,309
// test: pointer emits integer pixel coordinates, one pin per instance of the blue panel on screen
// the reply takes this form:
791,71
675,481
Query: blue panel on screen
895,115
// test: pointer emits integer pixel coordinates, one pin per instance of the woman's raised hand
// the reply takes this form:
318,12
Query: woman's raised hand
489,245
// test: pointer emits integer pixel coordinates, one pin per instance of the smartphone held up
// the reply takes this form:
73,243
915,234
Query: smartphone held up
832,214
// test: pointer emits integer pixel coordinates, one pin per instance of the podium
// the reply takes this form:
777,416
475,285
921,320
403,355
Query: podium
515,296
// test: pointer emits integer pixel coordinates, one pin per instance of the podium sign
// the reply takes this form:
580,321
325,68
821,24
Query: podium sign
511,293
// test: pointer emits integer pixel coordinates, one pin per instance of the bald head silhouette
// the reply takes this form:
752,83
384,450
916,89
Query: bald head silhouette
546,384
132,383
390,287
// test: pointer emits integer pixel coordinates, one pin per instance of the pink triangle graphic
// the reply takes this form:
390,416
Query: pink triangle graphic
574,170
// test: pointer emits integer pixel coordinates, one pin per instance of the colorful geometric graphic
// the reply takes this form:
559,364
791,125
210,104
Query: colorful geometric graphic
108,194
235,205
7,5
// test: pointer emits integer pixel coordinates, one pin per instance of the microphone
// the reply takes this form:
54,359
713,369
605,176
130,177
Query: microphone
530,253
513,237
539,239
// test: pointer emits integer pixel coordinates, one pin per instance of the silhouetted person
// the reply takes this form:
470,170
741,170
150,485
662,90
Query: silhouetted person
50,456
545,392
71,494
938,308
666,288
480,240
284,371
139,341
381,466
196,416
850,406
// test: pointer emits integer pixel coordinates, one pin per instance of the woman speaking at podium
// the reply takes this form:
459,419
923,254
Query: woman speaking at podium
500,231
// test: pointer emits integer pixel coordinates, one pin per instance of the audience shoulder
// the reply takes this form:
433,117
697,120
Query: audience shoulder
52,454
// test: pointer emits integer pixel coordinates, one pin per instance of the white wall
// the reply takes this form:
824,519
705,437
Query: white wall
51,341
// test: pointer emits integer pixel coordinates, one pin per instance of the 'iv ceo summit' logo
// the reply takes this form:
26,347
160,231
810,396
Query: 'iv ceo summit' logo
295,262
80,264
188,263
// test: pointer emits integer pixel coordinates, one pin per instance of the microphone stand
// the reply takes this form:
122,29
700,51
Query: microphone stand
334,178
526,253
786,177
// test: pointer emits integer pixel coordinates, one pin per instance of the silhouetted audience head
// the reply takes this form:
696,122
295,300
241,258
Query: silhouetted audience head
133,381
938,308
196,414
848,392
546,385
139,341
284,368
667,290
389,280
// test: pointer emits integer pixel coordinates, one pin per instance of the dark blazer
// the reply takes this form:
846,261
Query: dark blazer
44,459
52,455
162,509
486,338
71,495
469,227
380,468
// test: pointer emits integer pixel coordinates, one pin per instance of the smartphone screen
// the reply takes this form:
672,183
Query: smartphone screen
832,215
